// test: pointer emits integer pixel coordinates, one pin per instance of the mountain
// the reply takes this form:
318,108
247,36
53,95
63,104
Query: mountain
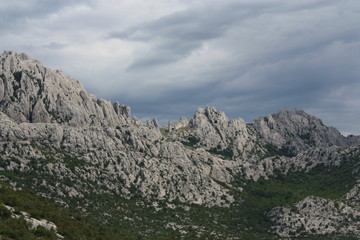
203,178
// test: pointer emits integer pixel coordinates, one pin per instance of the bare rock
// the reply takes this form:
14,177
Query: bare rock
315,215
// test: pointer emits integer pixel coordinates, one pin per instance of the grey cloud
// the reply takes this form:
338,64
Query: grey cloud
288,84
247,58
55,45
164,54
175,36
14,16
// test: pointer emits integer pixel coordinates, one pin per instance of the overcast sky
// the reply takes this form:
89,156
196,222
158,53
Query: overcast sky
166,58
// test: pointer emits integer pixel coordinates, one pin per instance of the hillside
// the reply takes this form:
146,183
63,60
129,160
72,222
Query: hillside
203,178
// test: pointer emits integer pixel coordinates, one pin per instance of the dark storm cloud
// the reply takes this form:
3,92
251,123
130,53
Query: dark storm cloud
302,76
167,58
175,36
15,14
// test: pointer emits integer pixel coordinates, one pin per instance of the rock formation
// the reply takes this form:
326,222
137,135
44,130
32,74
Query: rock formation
50,125
315,215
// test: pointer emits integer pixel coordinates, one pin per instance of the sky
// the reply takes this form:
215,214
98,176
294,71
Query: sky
167,58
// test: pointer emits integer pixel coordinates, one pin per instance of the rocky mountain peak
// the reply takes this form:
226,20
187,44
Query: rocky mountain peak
217,133
89,154
208,115
297,131
31,92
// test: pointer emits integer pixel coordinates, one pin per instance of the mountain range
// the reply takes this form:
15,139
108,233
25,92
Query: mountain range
285,175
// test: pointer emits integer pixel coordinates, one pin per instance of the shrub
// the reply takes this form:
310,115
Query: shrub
4,212
17,76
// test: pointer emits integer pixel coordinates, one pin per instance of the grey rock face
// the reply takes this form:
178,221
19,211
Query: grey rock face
216,131
33,93
48,119
353,196
297,131
315,215
48,108
212,130
159,168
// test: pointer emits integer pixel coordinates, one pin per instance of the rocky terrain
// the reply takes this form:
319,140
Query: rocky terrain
315,215
74,148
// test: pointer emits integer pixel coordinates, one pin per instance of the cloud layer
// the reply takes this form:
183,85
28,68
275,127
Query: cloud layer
167,58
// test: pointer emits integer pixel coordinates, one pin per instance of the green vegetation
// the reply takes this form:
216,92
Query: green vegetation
272,150
11,228
17,76
260,196
136,218
71,226
226,153
192,141
307,138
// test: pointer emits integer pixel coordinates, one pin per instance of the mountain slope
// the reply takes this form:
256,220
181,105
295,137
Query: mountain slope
33,93
181,180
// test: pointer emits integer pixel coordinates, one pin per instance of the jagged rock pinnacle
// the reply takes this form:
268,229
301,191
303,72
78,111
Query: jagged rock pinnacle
34,93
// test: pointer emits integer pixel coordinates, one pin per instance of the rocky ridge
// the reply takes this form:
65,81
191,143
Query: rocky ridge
33,93
315,215
297,131
50,125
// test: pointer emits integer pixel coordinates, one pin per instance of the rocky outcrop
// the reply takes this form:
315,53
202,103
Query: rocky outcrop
353,196
183,123
212,130
136,155
33,223
315,216
42,108
30,92
298,131
215,131
79,144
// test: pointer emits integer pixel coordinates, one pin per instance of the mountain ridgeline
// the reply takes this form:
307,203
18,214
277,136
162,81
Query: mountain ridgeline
283,175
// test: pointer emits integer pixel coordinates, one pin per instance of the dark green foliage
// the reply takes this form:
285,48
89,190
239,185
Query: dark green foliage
70,225
17,76
226,153
43,233
191,141
307,138
73,162
41,87
262,195
272,150
15,229
4,212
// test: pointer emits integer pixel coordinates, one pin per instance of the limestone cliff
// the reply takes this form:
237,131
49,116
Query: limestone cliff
30,92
